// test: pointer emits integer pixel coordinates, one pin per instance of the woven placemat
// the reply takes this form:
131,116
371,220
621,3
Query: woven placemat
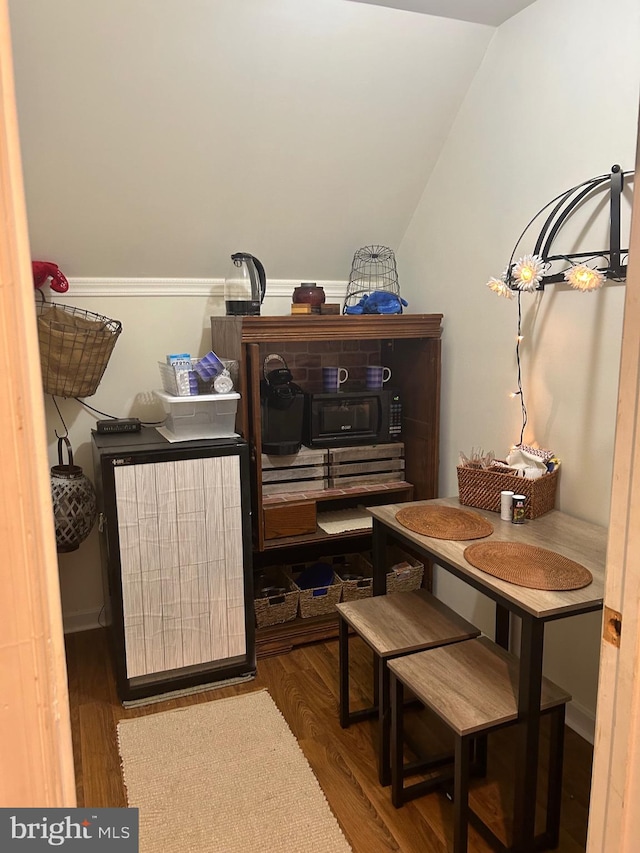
528,565
444,522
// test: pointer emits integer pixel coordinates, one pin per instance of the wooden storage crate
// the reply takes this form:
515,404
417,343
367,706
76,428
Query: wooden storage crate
281,605
360,584
405,572
481,488
304,471
317,601
373,463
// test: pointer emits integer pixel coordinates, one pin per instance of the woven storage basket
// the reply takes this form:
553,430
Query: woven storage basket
482,489
279,607
75,347
318,601
355,588
406,573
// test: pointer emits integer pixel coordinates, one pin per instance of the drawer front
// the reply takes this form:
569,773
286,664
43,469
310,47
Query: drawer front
289,519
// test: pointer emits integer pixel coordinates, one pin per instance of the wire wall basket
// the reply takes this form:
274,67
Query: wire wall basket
373,269
75,347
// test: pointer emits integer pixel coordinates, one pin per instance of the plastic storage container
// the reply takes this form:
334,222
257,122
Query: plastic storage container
202,416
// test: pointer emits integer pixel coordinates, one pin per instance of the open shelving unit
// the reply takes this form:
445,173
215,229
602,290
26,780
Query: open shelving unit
285,525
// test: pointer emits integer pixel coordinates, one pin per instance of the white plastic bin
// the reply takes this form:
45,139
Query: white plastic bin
202,416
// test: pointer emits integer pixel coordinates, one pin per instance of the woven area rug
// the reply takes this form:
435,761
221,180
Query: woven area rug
226,776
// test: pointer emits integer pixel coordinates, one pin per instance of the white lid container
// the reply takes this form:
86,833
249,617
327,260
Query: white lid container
200,416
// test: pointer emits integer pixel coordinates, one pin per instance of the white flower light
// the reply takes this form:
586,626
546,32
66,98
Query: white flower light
582,277
497,285
527,273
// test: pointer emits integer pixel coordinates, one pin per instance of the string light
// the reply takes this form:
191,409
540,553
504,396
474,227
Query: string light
520,392
582,277
527,273
534,271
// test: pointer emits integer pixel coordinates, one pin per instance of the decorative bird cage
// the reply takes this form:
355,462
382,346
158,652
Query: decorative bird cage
373,270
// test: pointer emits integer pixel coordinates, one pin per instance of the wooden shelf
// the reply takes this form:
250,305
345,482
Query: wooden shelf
337,494
316,327
318,536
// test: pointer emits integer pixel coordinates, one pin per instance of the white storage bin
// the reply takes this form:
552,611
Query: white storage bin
201,416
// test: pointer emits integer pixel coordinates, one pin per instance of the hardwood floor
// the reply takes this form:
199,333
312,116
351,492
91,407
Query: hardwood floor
304,685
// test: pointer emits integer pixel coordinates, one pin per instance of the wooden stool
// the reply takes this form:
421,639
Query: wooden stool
472,687
393,625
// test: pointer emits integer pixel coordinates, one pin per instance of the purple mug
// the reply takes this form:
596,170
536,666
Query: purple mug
333,377
377,376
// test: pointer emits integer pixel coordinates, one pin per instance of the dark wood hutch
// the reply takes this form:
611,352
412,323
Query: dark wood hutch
284,527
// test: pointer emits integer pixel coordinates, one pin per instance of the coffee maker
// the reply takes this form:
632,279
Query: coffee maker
281,407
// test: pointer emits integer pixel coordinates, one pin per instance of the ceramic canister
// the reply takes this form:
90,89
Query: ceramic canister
309,292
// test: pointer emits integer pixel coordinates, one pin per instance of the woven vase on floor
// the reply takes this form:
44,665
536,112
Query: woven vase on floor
74,501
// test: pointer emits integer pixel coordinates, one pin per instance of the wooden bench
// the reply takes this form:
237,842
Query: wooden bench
472,687
392,625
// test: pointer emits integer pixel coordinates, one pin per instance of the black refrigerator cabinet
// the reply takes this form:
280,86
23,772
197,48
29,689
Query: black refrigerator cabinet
176,551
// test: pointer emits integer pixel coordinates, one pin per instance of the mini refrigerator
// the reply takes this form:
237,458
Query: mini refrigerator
175,533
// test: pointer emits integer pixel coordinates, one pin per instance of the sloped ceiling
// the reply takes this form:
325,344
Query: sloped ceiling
491,12
160,136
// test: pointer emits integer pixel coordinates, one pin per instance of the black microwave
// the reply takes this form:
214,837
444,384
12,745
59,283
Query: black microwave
352,417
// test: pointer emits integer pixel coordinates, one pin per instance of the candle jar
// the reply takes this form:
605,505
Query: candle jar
311,294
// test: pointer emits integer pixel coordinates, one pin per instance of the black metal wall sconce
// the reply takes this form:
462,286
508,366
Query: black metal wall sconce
585,271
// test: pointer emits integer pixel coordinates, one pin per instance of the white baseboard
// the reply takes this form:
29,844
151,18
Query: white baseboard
582,721
82,620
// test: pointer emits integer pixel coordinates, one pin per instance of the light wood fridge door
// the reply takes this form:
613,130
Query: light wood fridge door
181,556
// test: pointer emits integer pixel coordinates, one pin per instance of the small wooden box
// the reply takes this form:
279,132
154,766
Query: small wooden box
289,519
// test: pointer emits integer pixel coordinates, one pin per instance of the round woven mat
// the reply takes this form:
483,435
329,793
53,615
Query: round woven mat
528,565
444,522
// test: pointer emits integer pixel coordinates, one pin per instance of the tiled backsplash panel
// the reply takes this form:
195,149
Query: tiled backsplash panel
306,360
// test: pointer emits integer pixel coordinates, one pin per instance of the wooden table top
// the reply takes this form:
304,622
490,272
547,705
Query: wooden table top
556,531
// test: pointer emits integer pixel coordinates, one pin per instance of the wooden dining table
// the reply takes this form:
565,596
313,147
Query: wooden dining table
556,531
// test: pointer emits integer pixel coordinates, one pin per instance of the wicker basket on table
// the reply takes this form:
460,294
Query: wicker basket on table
481,488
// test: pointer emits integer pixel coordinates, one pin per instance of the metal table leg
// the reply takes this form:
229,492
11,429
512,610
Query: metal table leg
528,733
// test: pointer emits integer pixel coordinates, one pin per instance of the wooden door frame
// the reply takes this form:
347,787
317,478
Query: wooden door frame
614,812
35,735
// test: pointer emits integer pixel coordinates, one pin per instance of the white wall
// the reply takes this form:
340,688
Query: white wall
162,135
159,136
554,103
152,325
